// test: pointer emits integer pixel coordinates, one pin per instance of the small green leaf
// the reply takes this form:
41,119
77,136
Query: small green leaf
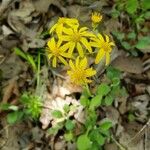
131,6
57,114
145,4
66,108
70,125
103,89
4,106
97,137
83,142
143,43
108,100
112,72
32,62
126,45
105,125
147,15
115,82
95,101
84,101
131,35
14,117
68,136
19,52
119,35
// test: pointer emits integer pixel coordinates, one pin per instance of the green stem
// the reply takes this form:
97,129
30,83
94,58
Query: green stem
38,71
87,89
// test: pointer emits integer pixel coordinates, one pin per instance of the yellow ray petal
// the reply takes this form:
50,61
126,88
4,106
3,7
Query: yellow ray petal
83,63
107,58
53,28
86,44
99,56
77,62
71,65
64,37
71,48
51,44
65,46
54,62
49,55
107,38
100,37
59,29
83,29
80,49
63,60
94,44
90,72
67,31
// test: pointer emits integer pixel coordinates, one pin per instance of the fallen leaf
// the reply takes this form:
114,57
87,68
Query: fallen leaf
128,64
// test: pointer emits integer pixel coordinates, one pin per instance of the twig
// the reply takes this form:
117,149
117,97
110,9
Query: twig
143,128
118,144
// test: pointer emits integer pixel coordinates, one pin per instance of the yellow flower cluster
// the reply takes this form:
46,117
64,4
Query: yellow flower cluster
70,41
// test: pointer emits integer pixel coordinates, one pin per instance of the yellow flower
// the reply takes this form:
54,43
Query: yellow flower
79,72
58,27
105,48
96,17
56,51
76,38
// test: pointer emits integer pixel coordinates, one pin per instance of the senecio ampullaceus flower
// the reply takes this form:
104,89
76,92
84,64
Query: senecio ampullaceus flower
70,42
76,38
62,21
80,72
105,48
96,18
56,51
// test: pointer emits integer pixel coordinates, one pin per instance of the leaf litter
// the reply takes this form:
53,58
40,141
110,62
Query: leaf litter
21,24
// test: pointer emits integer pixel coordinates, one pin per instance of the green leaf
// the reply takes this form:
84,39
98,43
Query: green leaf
95,101
103,89
145,4
66,108
57,114
4,106
126,45
14,117
131,35
54,130
20,53
147,15
113,73
144,43
84,101
131,6
83,142
105,125
108,100
70,125
68,136
32,62
97,137
119,35
115,81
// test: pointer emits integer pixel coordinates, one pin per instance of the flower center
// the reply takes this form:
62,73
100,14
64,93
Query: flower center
79,74
75,37
106,47
56,52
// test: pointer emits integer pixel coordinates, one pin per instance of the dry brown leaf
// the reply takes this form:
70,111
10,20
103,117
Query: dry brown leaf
128,64
131,129
9,90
